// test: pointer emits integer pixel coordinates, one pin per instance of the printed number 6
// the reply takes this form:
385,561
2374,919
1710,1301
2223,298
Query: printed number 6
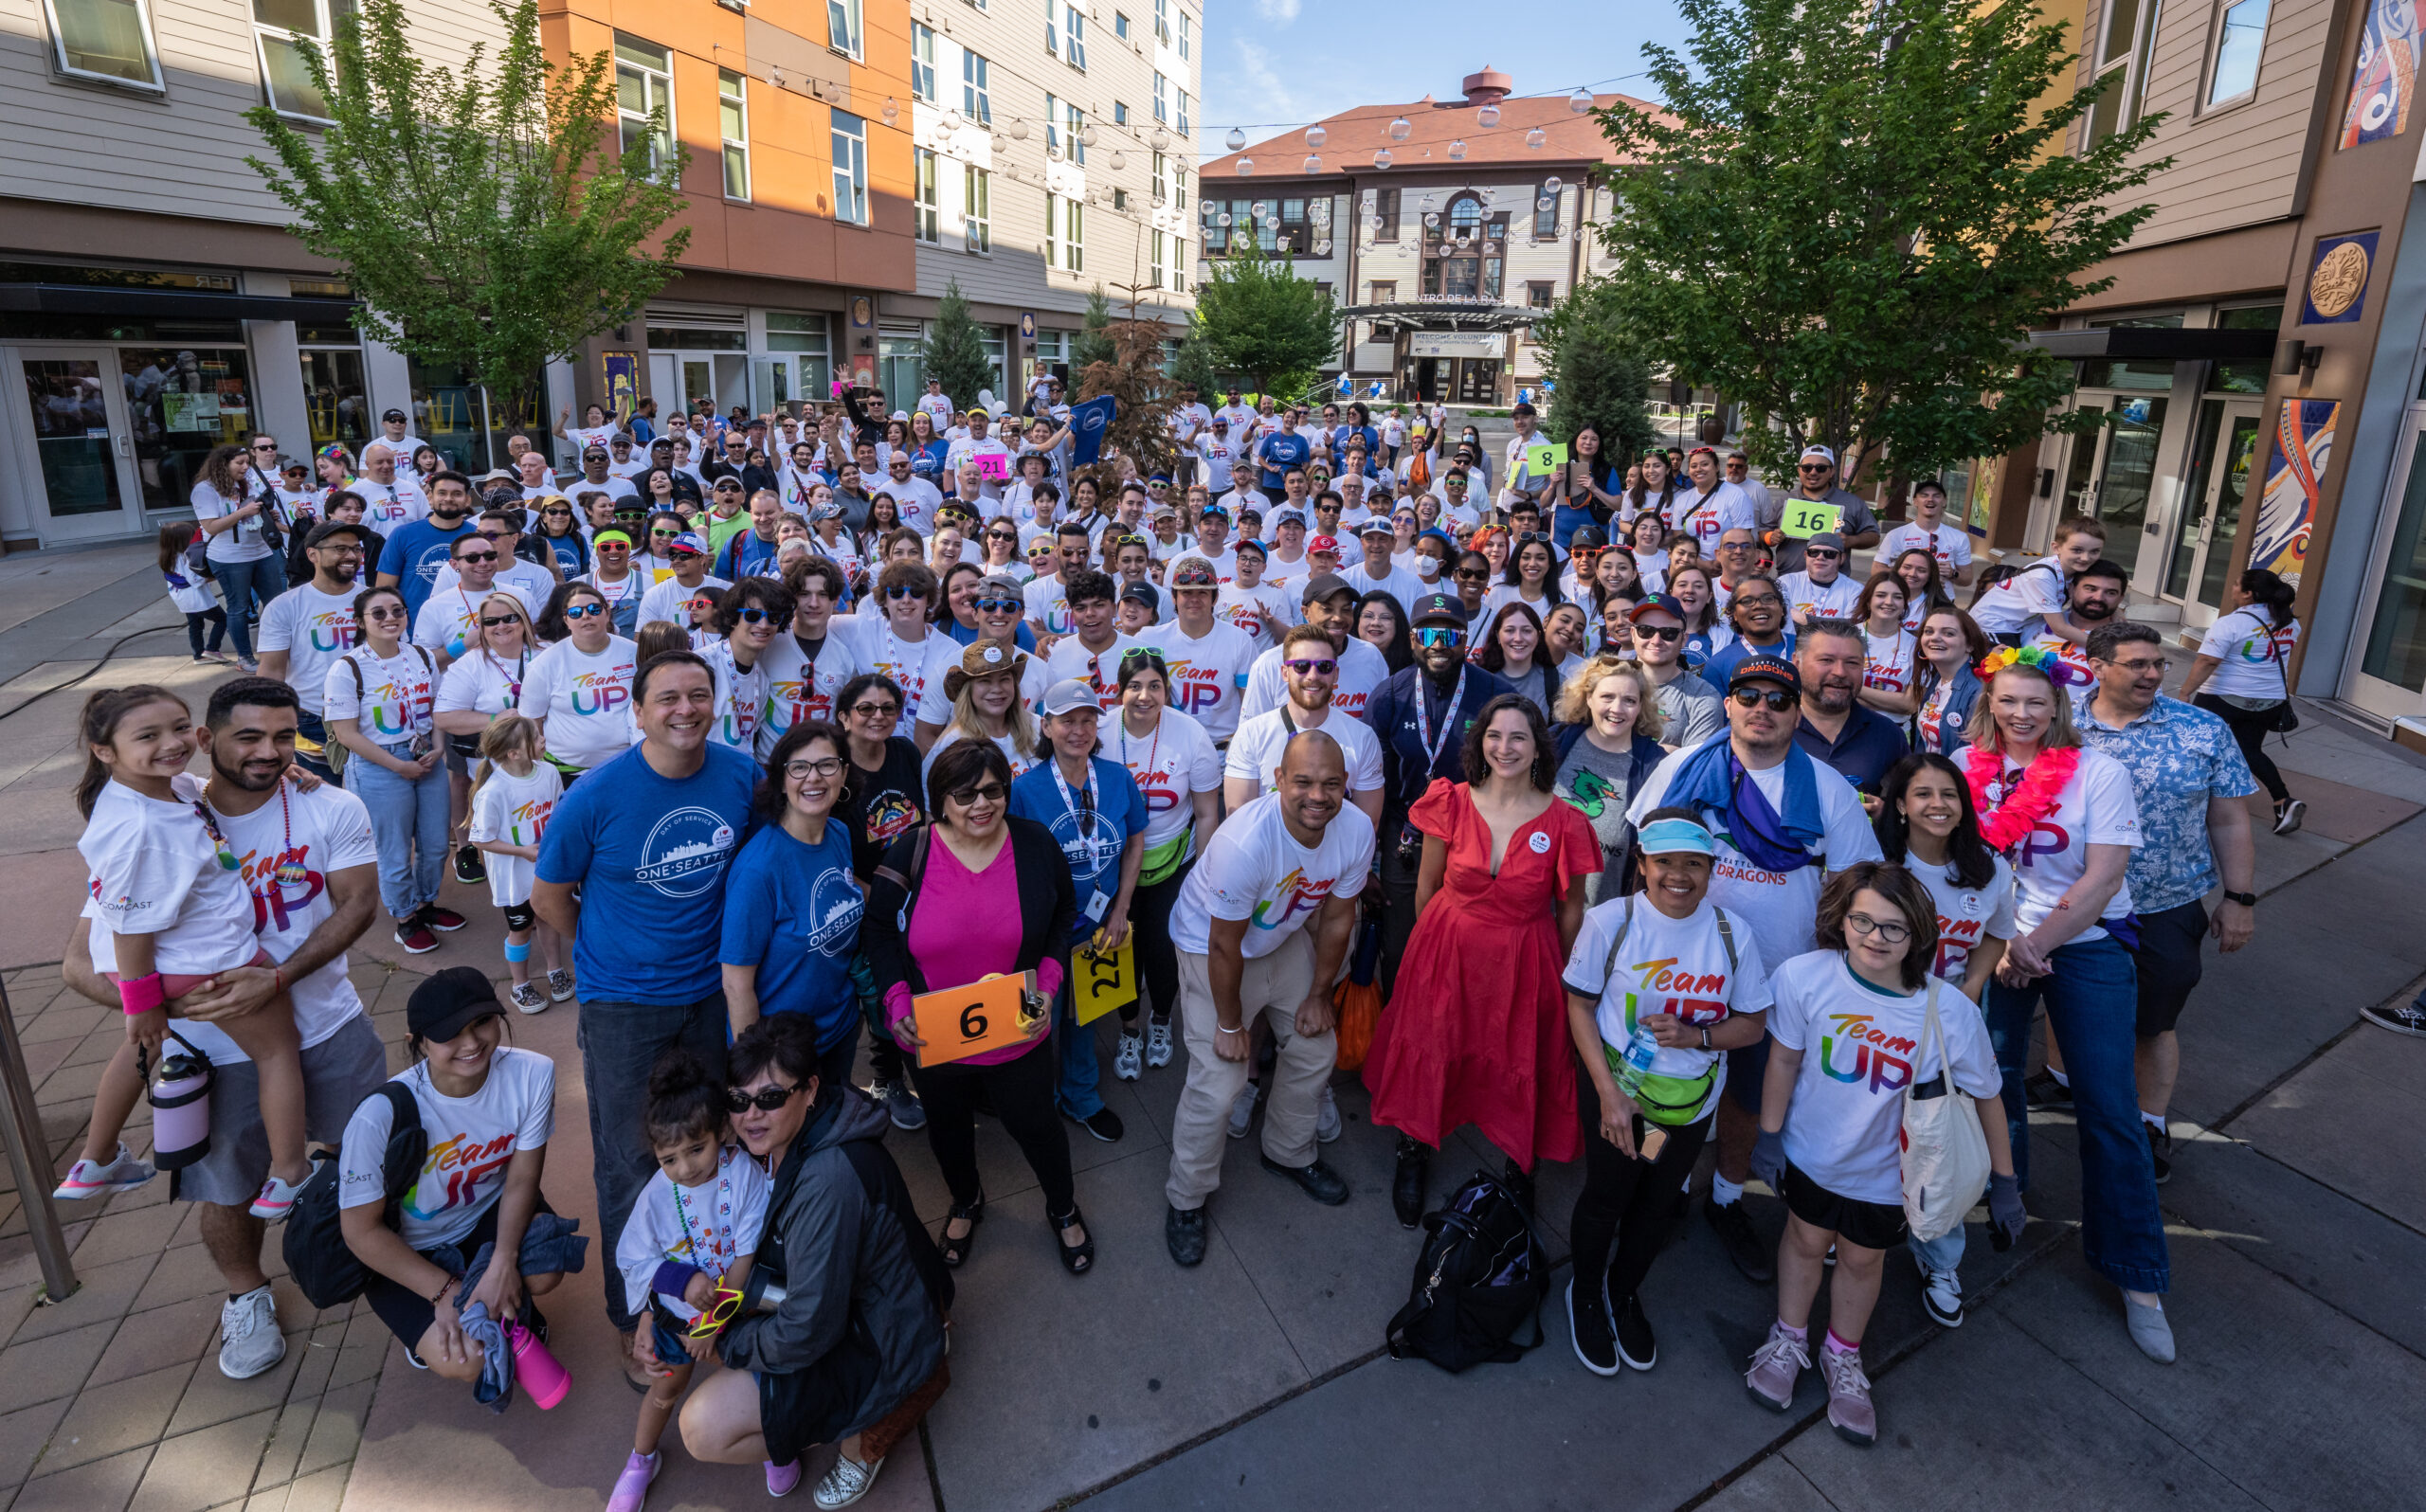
972,1023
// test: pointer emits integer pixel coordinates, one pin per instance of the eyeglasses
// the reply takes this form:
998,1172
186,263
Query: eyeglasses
1313,666
1863,924
1433,638
1659,632
382,615
475,556
1756,601
492,621
767,1100
827,766
875,711
1735,545
982,793
1778,699
583,611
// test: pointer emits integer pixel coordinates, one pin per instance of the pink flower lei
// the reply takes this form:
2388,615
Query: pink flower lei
2006,825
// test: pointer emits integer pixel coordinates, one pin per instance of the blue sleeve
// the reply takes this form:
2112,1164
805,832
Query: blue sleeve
566,850
392,559
1025,640
1024,801
749,908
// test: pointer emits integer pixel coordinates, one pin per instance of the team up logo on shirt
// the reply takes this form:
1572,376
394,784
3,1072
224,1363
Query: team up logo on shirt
1879,1059
1196,690
684,852
599,693
282,886
1297,893
1697,997
412,697
527,822
330,631
451,1175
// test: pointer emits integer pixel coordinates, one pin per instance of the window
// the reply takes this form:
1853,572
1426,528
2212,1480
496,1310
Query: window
1386,291
1065,233
1187,36
927,208
1120,199
1119,114
1385,207
1179,186
1181,125
1160,196
278,26
850,169
1540,296
922,62
1179,263
1296,235
842,26
1162,111
732,111
977,208
105,39
1120,26
644,99
1162,22
1052,126
1074,121
1065,35
1463,256
974,103
2239,39
1154,269
2121,67
805,334
1546,221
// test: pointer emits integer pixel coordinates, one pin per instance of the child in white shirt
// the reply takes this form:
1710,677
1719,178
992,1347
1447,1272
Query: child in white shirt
511,802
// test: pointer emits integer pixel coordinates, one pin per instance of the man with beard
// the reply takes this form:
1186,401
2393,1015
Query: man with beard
1861,743
312,869
2093,599
414,553
309,626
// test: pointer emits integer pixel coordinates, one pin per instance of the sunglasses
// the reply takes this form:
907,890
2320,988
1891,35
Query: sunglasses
583,611
1313,666
385,615
1000,605
1812,467
753,616
1469,575
738,1101
1432,638
617,548
982,793
475,556
1778,699
264,447
1659,632
555,515
491,622
903,591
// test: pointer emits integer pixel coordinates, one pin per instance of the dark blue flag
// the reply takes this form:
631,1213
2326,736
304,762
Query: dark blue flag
1087,422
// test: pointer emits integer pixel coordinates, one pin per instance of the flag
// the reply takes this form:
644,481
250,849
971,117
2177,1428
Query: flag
1087,422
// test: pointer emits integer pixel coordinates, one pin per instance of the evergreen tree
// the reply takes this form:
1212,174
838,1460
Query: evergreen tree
1595,380
954,352
1258,318
1092,345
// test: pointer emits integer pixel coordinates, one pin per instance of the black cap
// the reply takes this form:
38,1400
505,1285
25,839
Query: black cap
1143,593
1764,668
1438,608
1324,586
327,528
449,1002
1587,536
393,414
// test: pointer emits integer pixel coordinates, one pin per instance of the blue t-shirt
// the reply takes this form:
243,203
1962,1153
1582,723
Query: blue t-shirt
1724,662
566,550
1286,448
649,854
794,911
415,553
1093,847
928,461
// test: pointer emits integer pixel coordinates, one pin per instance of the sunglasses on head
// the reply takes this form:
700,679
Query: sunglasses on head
1194,580
1313,666
583,611
1778,699
766,1100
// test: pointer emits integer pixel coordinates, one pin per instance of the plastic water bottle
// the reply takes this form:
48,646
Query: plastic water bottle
1641,1048
536,1367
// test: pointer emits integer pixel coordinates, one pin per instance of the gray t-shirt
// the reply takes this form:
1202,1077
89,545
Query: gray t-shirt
1691,710
1858,520
1594,781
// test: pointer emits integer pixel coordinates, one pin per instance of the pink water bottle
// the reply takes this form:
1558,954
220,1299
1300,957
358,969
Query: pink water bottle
536,1367
180,1095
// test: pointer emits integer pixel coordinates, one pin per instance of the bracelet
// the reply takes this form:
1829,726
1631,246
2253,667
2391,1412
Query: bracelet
140,995
438,1296
1225,1029
277,980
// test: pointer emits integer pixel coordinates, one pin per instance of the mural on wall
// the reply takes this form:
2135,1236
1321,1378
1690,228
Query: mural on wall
2385,74
2295,464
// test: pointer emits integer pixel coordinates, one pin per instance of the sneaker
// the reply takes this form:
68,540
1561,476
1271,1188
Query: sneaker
1849,1409
847,1482
782,1479
249,664
1776,1366
899,1104
1158,1043
1829,1258
1744,1246
1129,1061
85,1180
277,1200
530,999
249,1342
2287,816
1184,1233
414,935
2401,1019
1596,1344
445,921
1635,1345
2044,1090
631,1487
1942,1297
2160,1150
1326,1124
1242,1110
1103,1123
471,868
559,987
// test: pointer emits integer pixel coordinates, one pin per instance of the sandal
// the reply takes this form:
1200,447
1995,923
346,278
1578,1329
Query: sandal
955,1252
1077,1259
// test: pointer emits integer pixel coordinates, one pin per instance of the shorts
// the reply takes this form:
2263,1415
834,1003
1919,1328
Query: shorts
666,1336
462,752
175,984
1871,1225
338,1073
406,1312
2168,964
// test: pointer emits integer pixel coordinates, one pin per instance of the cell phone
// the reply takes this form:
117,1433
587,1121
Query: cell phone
1649,1139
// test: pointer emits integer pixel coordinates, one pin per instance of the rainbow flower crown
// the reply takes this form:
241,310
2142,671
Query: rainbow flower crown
2038,659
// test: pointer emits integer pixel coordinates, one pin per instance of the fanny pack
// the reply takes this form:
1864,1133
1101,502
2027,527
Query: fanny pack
1673,1101
1162,860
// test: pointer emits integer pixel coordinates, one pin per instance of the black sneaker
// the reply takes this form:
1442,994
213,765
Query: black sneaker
1635,1345
469,866
2289,814
1745,1249
1103,1123
2044,1090
1184,1231
2401,1019
1588,1320
2161,1151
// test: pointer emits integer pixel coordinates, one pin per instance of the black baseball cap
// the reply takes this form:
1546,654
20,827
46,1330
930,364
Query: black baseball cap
1143,593
393,414
1764,668
450,1002
323,532
1438,608
1323,586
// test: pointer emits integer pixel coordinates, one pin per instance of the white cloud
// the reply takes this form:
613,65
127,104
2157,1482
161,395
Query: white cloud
1283,11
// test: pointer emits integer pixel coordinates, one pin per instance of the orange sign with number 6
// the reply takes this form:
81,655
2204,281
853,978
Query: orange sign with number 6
965,1021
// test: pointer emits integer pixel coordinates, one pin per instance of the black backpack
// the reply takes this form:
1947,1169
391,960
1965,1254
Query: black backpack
1480,1278
323,1267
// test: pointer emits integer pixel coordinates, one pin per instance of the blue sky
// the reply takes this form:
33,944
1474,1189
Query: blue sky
1289,62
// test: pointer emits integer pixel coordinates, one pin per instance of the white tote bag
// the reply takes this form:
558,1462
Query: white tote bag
1946,1157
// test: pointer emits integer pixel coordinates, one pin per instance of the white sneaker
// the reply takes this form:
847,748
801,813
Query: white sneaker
1327,1125
530,999
845,1483
249,1342
1242,1110
1127,1061
86,1180
277,1200
1942,1297
1158,1043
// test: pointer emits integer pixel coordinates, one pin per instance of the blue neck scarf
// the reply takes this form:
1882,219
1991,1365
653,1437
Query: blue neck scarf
1712,781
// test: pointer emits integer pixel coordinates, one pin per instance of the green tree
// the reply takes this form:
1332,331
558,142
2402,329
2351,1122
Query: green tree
1595,380
486,214
1847,218
1258,318
955,350
1092,345
1192,363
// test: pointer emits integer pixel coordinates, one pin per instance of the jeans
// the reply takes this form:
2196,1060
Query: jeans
1944,1252
2092,1003
246,585
1074,1043
213,617
620,1044
408,821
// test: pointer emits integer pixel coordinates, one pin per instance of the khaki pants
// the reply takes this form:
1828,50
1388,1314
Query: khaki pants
1273,986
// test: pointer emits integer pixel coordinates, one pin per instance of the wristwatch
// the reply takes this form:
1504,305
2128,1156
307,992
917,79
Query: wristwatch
2247,900
1705,1037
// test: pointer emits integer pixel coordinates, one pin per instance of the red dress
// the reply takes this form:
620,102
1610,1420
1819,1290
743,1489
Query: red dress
1478,1031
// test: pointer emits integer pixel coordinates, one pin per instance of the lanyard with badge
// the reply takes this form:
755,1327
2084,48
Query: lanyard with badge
1081,809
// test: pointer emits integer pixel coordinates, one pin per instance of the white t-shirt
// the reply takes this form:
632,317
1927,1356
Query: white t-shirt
1257,748
583,702
936,408
961,451
1020,759
713,1225
1048,604
1171,766
1668,966
741,696
1255,870
1503,594
527,581
1362,671
482,684
1187,423
1831,599
667,598
239,543
2037,591
513,810
943,653
1711,515
2250,653
1966,916
390,507
2072,674
1099,670
391,700
887,655
916,500
157,871
2095,806
1398,583
1889,661
450,620
585,436
1950,544
314,629
472,1140
1208,676
1781,908
798,688
1263,612
1861,1048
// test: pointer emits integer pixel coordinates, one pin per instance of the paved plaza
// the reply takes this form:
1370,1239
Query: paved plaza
2296,1216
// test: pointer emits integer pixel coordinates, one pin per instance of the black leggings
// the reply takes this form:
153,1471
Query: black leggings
1023,1095
2250,727
1624,1204
1150,921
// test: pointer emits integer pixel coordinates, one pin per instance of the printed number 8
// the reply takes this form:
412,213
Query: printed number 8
972,1023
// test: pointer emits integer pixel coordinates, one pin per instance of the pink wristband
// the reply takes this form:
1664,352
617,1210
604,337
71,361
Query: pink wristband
140,995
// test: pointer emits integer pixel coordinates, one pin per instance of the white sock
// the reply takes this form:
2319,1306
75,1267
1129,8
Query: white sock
1724,1192
2154,1120
2061,1080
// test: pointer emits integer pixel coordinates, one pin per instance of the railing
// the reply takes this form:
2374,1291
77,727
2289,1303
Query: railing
30,1161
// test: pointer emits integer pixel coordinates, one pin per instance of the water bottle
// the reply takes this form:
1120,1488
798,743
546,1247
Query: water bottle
1641,1048
536,1367
180,1096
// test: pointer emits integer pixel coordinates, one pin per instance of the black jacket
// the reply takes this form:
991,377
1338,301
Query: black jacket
1048,902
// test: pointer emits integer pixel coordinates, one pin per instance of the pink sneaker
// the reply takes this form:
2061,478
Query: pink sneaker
631,1487
277,1200
1775,1367
782,1479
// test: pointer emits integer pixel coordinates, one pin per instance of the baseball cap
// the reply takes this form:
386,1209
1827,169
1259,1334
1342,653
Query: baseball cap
1322,543
1000,583
1438,608
323,532
450,1002
1826,541
1068,697
396,414
1291,515
1661,602
1815,449
1764,668
1250,544
1376,525
1143,593
690,541
1325,586
1220,422
1587,537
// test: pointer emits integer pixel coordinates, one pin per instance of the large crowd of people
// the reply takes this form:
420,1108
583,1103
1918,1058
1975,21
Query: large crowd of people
1656,829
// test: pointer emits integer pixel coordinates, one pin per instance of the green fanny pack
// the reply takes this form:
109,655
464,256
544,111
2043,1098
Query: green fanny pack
1674,1101
1160,861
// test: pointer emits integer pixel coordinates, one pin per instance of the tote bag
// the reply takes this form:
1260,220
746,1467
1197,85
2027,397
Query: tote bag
1944,1154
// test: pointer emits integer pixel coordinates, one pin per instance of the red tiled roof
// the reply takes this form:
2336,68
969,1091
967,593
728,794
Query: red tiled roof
1355,135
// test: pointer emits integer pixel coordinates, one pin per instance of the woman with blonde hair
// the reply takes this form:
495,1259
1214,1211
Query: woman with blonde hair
986,704
1606,739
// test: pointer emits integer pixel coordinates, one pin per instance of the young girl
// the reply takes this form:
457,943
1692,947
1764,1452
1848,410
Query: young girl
168,892
694,1228
190,597
511,802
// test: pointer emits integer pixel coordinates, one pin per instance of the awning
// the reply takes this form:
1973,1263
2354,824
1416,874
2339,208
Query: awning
2158,344
178,305
1391,318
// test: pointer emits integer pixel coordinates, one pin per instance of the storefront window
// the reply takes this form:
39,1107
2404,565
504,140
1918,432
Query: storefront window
182,402
469,423
2397,641
333,395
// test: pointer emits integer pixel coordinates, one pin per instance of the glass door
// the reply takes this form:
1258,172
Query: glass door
2389,677
83,446
2223,459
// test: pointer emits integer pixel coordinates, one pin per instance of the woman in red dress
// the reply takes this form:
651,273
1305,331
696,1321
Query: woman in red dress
1476,1033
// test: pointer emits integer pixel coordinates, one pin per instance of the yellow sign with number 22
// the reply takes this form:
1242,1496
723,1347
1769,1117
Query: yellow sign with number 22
1104,981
